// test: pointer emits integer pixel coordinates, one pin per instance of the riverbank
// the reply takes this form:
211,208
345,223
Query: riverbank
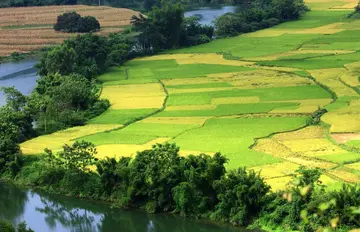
68,214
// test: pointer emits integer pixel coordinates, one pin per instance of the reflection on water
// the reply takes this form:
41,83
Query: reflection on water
21,75
209,14
45,212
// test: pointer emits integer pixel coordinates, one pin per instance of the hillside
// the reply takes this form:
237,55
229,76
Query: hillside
250,97
26,29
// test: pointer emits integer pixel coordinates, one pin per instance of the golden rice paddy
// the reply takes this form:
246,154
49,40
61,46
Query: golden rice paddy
331,79
342,123
125,150
345,175
56,140
276,170
134,96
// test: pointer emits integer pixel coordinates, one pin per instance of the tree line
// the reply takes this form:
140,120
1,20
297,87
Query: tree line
160,180
262,14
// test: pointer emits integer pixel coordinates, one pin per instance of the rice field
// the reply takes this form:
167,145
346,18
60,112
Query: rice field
255,109
26,29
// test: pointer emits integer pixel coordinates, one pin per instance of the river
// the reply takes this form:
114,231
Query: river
51,213
21,75
209,14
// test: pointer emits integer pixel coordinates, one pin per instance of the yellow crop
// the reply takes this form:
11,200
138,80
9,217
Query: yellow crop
311,132
345,175
355,166
56,140
134,96
313,147
341,123
278,184
272,147
125,150
331,78
311,163
276,170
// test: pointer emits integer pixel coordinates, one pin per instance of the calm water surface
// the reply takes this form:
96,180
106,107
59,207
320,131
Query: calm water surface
21,75
50,213
209,14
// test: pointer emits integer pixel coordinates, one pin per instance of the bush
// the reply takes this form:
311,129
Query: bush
72,22
7,227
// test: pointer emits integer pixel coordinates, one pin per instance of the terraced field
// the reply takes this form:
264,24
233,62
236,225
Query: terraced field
250,97
25,29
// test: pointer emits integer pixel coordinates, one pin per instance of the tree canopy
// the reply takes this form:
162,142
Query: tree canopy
73,22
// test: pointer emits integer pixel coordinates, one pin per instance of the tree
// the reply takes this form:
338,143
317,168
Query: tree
78,156
162,28
241,196
88,24
72,22
196,194
153,175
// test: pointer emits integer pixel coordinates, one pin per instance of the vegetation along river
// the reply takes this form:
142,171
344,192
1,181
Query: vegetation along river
46,212
51,213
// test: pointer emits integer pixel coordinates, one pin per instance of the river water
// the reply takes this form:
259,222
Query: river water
209,14
51,213
21,75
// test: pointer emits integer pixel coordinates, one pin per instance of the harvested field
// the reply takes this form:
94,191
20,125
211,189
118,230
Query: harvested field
33,26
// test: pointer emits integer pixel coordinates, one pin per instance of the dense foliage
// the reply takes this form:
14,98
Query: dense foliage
15,126
262,14
8,227
87,55
72,22
159,180
166,28
22,3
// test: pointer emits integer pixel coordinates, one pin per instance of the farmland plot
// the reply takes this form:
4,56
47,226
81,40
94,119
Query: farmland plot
256,108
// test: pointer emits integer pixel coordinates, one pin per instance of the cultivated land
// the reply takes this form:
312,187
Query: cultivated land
25,29
249,97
